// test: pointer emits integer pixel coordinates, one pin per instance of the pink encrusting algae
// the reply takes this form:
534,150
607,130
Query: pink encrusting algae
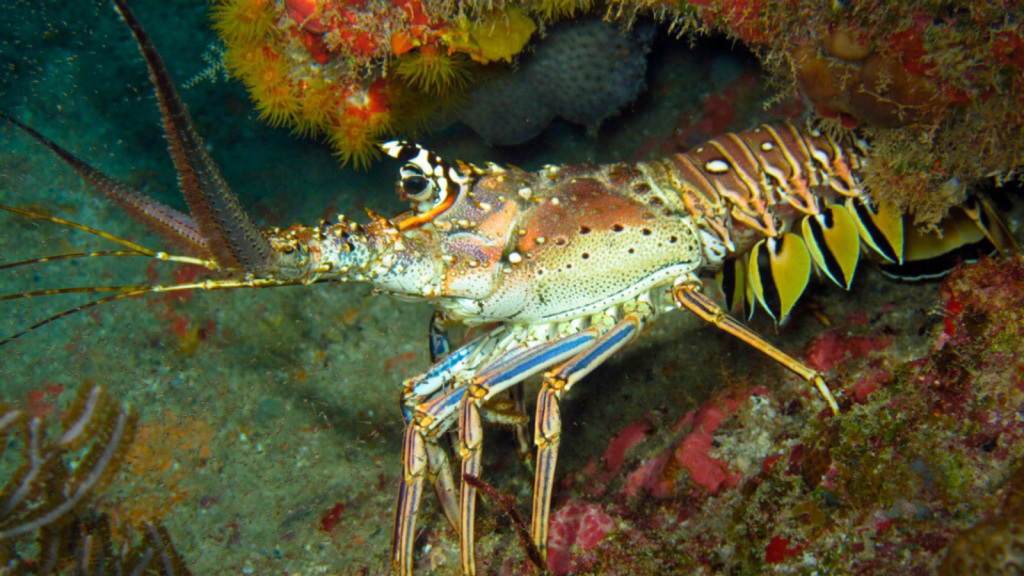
576,529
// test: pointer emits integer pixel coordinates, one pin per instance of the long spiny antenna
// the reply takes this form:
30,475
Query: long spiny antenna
119,292
133,248
130,291
177,228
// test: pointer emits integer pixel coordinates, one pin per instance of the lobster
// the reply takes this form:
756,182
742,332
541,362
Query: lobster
559,268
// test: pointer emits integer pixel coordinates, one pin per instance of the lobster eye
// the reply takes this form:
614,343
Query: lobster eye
416,187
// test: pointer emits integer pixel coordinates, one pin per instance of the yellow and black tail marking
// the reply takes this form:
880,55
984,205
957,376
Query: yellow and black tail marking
778,273
834,243
881,227
967,234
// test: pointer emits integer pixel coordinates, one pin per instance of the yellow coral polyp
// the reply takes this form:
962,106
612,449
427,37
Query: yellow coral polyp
277,104
271,71
266,75
318,102
355,141
245,60
432,70
242,21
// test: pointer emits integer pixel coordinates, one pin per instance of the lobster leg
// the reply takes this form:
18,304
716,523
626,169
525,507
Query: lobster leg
549,426
430,419
440,345
688,295
481,389
416,452
414,462
522,434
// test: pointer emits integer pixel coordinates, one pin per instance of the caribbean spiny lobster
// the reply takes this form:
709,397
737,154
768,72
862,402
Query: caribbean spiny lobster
562,267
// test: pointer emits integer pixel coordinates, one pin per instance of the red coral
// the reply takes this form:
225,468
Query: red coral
629,437
331,519
909,44
1008,48
658,475
42,402
305,12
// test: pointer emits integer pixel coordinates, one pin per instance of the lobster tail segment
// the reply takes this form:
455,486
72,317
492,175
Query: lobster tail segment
779,271
786,201
881,228
233,238
833,241
969,232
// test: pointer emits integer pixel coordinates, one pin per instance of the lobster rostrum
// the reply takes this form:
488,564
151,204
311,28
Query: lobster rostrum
561,267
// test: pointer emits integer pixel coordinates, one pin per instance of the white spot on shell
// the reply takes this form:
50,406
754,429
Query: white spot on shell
767,146
515,257
717,166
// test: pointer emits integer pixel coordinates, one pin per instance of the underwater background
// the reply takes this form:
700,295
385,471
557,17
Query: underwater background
269,428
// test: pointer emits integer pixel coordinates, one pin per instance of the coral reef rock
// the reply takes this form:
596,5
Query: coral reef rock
583,71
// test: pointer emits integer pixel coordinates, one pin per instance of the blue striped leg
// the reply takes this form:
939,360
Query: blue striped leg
414,462
549,425
420,452
494,380
422,458
437,333
428,421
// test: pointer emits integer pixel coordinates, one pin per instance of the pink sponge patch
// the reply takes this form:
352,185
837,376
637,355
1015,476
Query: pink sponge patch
830,348
578,526
704,470
630,436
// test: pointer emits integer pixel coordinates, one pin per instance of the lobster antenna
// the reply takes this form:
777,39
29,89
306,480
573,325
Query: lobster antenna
72,256
135,249
129,291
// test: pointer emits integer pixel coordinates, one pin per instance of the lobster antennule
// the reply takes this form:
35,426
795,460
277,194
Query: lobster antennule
177,228
231,236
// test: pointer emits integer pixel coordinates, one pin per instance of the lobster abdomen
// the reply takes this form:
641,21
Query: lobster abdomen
786,201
